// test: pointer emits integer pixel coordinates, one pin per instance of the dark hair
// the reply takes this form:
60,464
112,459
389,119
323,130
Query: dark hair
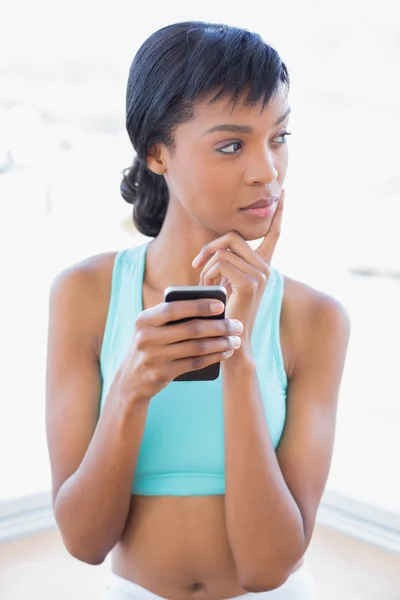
175,67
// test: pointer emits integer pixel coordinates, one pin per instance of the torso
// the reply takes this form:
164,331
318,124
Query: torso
177,546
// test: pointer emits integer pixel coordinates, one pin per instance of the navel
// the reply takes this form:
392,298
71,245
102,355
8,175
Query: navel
197,586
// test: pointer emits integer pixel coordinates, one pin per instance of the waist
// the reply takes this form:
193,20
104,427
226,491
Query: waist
178,547
299,586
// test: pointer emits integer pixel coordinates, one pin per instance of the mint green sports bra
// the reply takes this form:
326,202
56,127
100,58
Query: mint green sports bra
182,449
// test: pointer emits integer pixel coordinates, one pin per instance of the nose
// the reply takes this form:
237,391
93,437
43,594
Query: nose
261,169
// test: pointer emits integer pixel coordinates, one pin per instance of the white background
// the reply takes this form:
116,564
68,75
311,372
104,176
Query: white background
342,209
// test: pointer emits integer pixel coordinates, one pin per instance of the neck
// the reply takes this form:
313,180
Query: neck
170,254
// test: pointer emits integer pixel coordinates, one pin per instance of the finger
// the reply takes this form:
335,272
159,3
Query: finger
267,247
223,254
189,330
233,242
231,258
225,283
184,365
200,347
163,313
236,277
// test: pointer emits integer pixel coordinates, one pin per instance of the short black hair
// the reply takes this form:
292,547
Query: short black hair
172,70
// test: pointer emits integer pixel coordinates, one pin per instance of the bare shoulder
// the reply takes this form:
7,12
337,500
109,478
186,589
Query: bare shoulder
89,271
308,314
85,288
303,300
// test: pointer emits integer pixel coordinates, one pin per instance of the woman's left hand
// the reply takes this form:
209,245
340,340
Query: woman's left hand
244,271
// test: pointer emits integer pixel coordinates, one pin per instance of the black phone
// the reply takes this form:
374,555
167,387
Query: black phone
194,292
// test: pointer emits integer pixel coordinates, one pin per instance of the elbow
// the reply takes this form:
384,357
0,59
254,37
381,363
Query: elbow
82,547
274,570
82,551
257,585
84,555
89,559
86,544
267,579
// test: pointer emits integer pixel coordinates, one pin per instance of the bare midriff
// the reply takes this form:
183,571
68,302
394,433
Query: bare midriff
178,548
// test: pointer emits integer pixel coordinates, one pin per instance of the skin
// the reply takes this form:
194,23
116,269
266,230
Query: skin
180,547
207,188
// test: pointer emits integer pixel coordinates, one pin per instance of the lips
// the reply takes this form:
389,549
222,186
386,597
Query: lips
261,203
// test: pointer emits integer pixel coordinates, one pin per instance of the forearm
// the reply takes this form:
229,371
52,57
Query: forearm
92,505
264,523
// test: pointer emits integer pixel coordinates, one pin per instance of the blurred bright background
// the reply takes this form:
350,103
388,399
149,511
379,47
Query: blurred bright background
63,73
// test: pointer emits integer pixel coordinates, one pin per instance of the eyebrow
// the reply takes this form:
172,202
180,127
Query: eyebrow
243,128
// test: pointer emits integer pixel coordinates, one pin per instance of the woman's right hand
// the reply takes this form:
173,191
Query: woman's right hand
160,352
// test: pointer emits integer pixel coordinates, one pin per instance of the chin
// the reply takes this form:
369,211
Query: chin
255,232
249,232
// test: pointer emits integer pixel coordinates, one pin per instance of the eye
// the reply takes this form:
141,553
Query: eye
283,135
223,149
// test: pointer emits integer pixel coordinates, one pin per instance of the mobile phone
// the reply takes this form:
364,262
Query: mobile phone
194,292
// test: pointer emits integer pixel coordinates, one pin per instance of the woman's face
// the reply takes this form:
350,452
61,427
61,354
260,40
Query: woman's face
224,160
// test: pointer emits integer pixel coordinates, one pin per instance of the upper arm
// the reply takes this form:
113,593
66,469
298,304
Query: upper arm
305,450
73,380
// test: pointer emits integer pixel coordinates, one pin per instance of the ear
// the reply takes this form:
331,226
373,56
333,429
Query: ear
157,159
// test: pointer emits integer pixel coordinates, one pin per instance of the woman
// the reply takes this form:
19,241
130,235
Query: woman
201,489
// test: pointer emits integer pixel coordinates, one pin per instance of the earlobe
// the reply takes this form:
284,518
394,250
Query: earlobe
155,166
155,160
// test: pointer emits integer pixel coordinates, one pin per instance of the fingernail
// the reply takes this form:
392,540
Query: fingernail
195,261
237,327
235,341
